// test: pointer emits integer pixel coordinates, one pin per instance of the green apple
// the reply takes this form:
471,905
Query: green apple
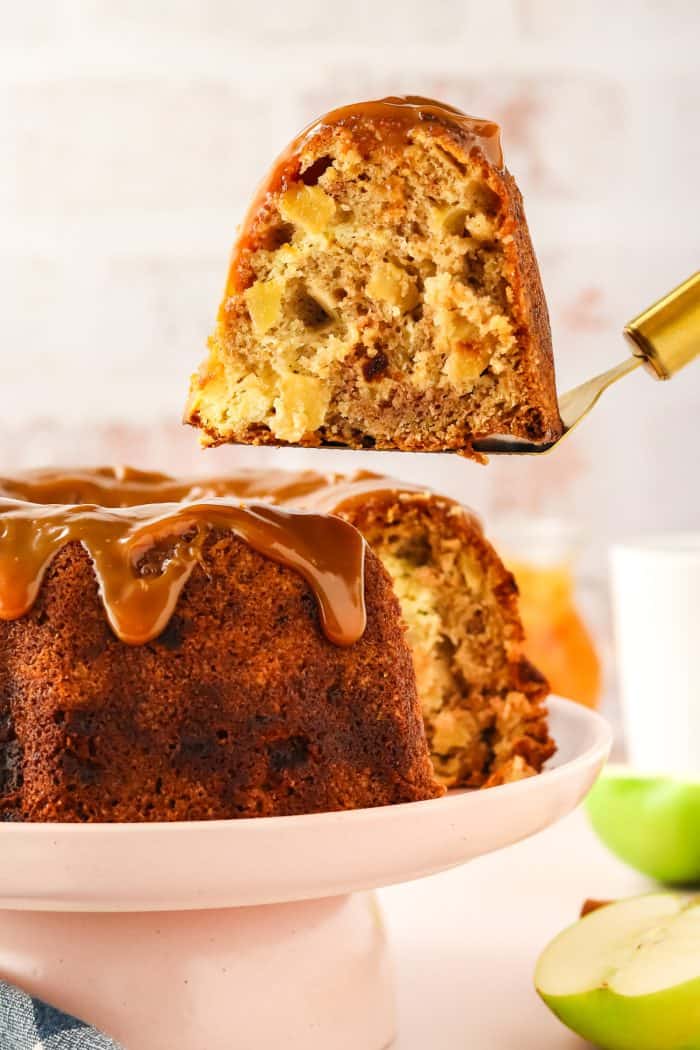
627,977
650,822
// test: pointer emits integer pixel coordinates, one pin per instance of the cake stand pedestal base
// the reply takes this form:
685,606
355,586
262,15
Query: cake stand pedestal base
310,975
176,935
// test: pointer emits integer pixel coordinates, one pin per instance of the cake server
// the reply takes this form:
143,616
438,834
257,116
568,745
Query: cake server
664,338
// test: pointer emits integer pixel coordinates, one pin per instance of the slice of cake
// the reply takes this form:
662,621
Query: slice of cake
383,293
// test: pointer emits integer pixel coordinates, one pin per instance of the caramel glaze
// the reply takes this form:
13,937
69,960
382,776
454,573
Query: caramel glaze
127,487
384,123
120,514
326,551
308,490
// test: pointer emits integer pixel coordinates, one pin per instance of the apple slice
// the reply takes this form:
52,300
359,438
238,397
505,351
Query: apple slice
650,822
627,976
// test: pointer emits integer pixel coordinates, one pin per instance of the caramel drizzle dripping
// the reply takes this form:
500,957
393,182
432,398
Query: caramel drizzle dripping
326,551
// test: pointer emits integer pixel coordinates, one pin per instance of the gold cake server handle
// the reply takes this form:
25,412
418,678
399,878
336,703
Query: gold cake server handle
667,335
665,338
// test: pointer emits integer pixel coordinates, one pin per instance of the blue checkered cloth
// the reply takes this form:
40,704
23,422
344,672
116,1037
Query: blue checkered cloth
30,1024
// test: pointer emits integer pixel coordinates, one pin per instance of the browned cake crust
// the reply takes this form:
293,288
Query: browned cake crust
241,708
383,293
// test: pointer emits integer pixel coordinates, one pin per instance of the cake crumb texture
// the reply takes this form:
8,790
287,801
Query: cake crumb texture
483,702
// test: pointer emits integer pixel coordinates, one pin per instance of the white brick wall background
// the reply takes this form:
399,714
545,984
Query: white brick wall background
132,133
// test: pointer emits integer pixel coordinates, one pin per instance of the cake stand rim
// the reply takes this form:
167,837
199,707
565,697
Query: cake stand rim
550,772
275,860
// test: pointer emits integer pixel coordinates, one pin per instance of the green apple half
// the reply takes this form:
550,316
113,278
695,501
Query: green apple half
650,822
627,976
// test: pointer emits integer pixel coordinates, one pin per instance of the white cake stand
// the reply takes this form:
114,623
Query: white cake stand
252,934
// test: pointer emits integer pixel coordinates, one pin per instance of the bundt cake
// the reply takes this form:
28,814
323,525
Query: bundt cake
168,659
198,660
383,293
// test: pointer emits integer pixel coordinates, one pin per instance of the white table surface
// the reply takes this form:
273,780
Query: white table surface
465,942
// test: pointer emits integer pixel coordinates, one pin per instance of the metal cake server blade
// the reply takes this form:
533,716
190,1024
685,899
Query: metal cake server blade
665,338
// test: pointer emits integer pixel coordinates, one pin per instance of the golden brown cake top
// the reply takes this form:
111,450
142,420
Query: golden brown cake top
388,121
144,534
